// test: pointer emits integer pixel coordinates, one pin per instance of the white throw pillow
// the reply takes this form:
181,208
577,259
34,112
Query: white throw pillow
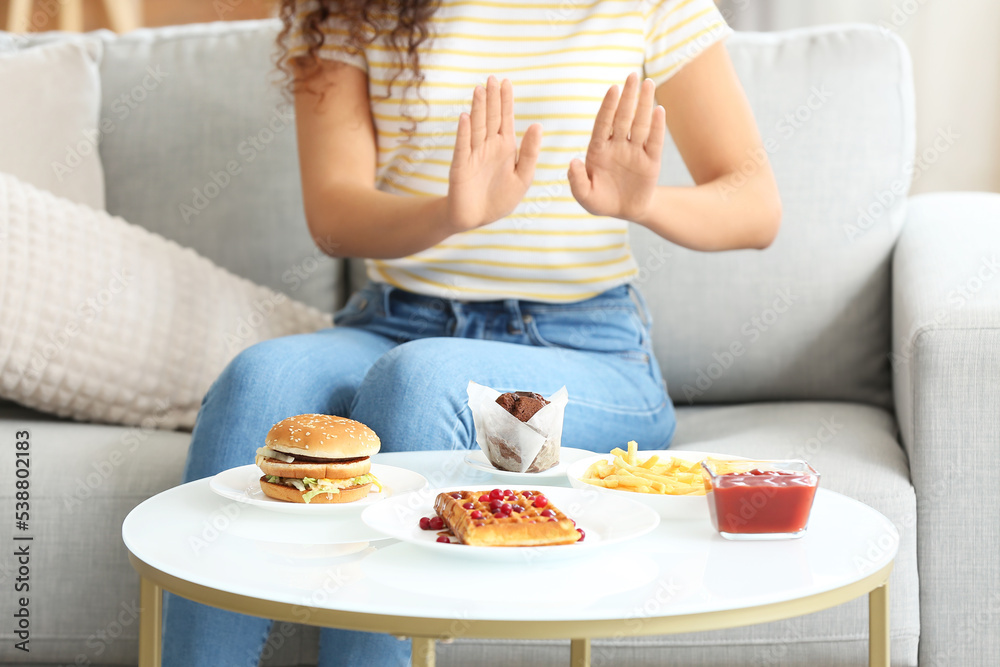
102,320
49,118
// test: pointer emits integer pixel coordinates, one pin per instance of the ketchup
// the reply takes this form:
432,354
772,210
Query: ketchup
762,501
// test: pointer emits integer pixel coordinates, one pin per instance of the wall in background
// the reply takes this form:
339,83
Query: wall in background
154,12
956,64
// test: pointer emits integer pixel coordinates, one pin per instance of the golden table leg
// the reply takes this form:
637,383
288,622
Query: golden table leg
579,653
878,627
150,624
422,653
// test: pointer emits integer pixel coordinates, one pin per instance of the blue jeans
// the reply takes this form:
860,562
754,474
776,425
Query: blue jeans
400,362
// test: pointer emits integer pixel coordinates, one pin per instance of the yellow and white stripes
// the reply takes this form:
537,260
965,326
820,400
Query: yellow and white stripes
561,57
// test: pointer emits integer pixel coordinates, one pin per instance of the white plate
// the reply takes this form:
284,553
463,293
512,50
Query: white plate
606,521
668,507
476,458
242,484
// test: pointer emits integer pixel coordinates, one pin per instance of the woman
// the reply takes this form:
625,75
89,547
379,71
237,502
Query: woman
495,254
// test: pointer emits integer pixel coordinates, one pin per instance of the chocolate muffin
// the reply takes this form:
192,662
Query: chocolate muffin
522,404
507,456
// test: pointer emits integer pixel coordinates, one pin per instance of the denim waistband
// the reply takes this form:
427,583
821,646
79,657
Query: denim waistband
621,296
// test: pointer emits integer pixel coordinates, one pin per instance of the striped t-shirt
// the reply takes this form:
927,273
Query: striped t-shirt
561,58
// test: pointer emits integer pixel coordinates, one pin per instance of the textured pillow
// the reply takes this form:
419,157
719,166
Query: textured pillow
49,117
105,321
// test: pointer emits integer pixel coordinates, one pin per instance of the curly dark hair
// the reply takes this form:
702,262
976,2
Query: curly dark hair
403,24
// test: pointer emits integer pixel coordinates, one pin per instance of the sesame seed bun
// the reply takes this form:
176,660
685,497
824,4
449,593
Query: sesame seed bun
323,436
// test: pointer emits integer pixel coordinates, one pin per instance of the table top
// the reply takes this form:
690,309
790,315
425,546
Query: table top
683,568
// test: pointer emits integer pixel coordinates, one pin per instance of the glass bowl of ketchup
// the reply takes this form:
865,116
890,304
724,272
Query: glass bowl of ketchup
760,500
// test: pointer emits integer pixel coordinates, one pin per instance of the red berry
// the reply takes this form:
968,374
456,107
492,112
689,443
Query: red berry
468,506
582,534
444,538
517,508
496,494
455,494
485,498
527,494
425,523
505,508
495,504
476,514
508,492
547,513
540,501
436,523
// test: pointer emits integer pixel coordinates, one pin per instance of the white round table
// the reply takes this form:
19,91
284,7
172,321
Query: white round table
682,577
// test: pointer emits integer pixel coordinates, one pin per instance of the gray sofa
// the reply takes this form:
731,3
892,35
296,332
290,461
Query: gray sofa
866,339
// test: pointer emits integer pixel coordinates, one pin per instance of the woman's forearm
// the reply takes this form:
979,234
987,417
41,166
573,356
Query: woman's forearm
358,221
489,175
728,213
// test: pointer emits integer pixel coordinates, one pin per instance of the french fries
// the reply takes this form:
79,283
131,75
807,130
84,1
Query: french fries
625,472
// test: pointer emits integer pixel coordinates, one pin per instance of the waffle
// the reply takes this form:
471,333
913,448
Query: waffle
527,528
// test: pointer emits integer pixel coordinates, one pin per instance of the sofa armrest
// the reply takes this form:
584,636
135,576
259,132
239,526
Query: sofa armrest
946,384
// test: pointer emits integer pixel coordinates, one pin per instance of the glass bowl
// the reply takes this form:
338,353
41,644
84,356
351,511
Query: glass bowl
760,500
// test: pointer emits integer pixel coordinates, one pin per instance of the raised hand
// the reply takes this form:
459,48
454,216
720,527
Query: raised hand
623,159
489,176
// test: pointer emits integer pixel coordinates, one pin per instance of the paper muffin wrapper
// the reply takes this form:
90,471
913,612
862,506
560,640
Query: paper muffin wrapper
509,443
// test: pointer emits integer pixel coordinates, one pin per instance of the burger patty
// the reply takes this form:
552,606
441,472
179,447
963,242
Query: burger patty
318,467
313,459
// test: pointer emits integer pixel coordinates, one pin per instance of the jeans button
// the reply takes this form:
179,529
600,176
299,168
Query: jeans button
513,328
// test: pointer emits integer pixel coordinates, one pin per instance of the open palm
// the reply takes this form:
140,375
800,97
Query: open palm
489,176
623,158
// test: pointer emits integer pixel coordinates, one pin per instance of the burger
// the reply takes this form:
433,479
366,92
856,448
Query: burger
318,459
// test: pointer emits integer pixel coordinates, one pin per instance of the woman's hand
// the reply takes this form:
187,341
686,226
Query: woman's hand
489,176
623,159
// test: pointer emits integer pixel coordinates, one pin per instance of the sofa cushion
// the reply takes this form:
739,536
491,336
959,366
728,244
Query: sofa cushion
198,144
808,318
855,449
85,479
49,132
